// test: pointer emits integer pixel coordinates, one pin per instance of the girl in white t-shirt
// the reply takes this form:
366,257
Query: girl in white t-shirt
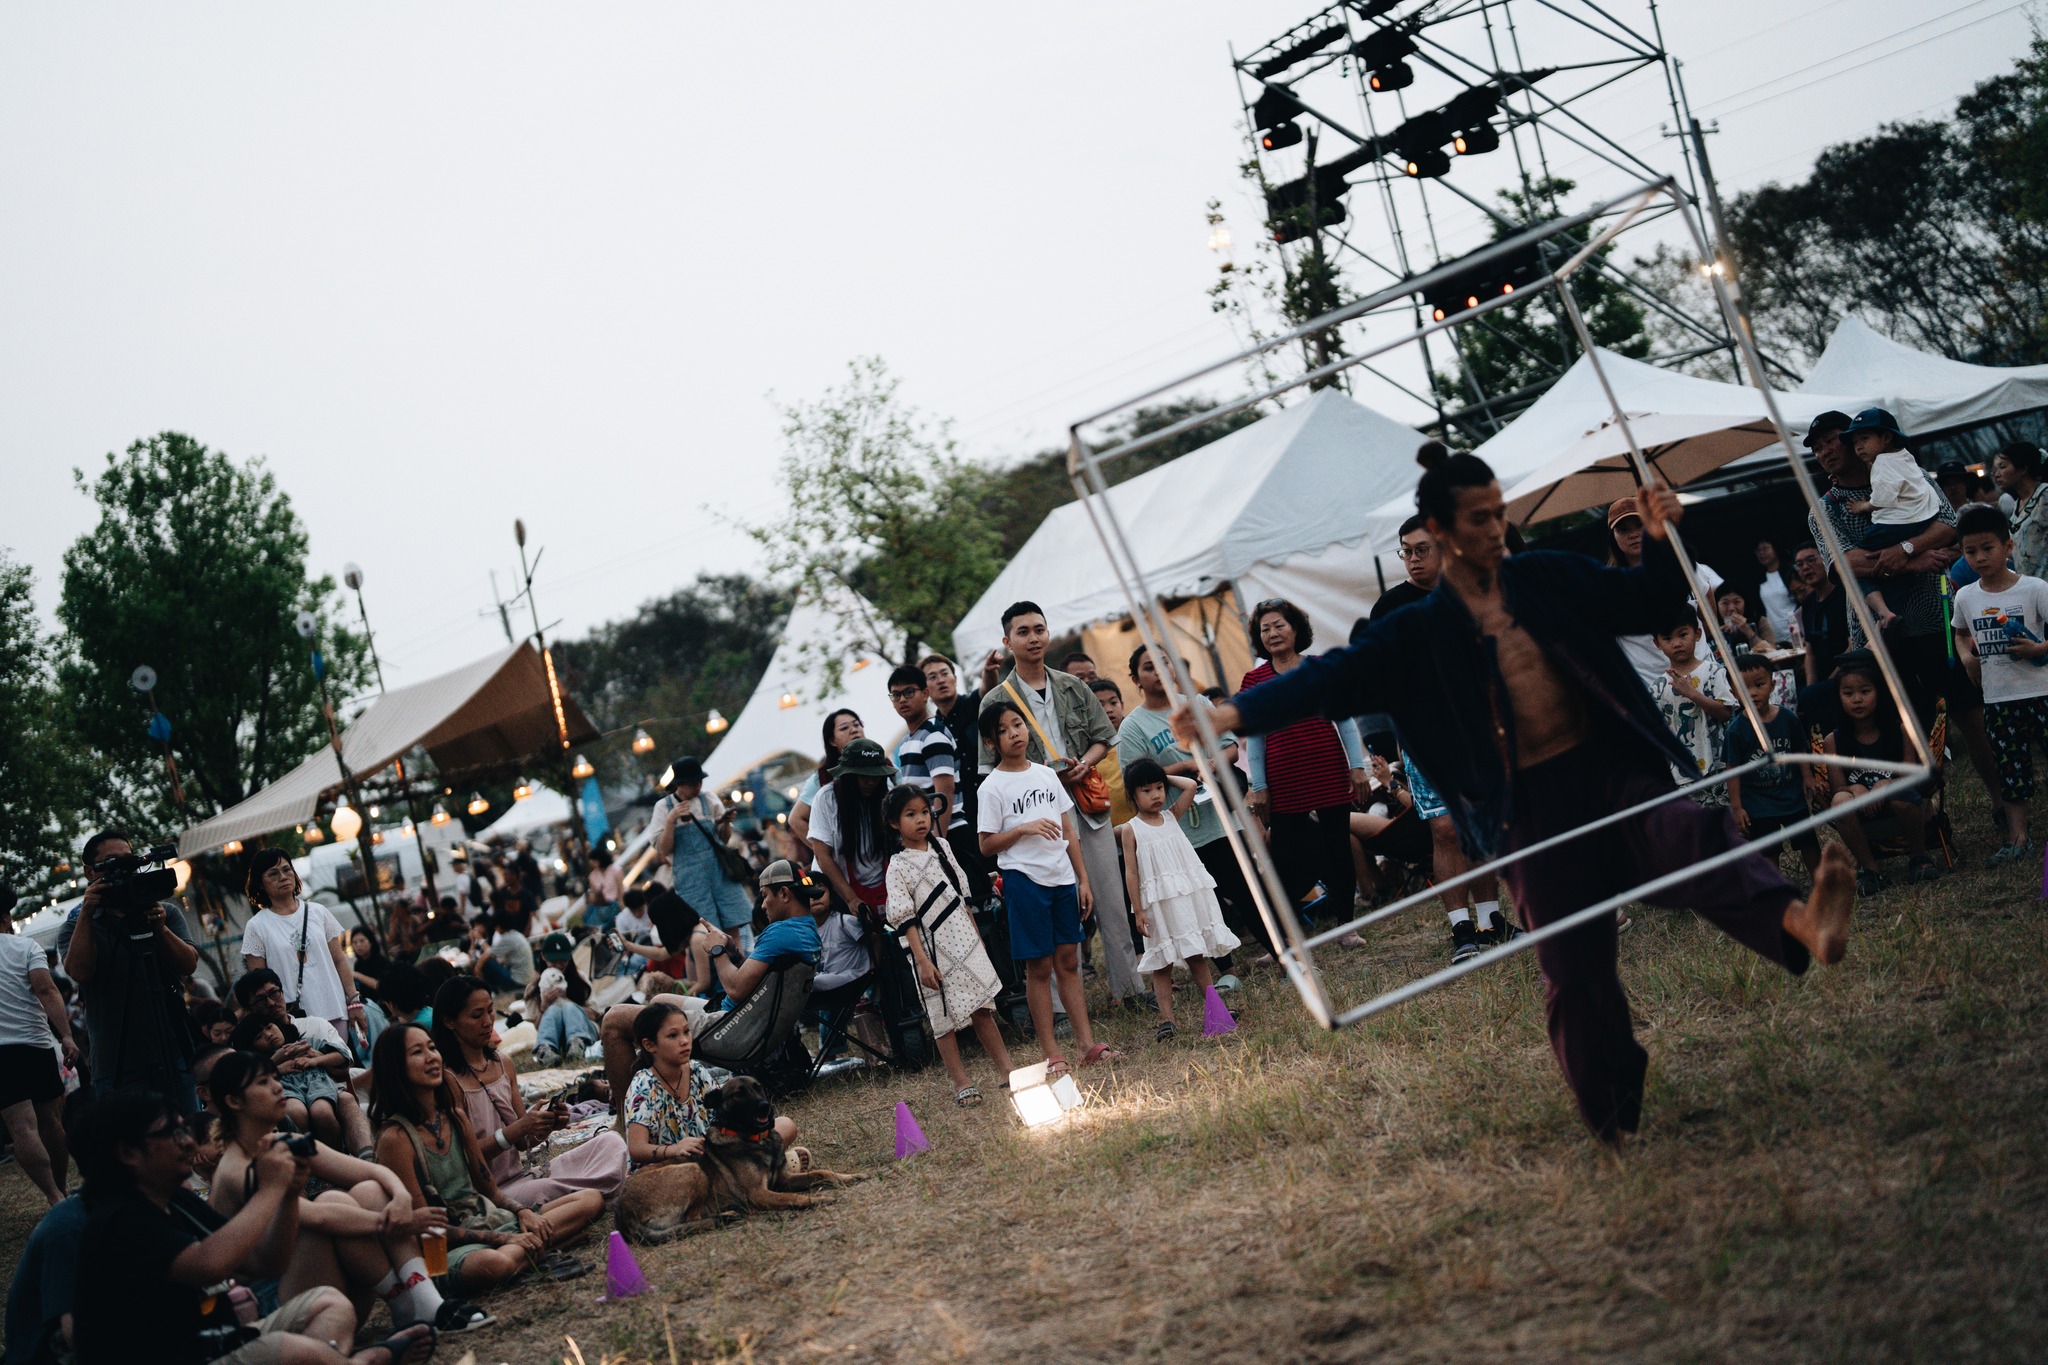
301,941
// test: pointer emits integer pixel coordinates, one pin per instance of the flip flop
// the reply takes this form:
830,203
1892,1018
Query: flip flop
1101,1052
1054,1070
411,1351
457,1316
967,1097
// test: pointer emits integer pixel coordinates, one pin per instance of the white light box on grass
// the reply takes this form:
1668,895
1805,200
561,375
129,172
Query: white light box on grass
1040,1098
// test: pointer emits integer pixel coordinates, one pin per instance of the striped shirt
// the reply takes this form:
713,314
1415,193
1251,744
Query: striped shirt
927,752
1305,766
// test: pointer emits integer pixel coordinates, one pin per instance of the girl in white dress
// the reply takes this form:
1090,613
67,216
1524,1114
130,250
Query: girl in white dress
1174,894
928,903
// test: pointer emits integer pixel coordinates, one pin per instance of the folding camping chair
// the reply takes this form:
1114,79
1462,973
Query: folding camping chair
760,1036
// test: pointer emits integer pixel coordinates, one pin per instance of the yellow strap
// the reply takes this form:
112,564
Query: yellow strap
1010,686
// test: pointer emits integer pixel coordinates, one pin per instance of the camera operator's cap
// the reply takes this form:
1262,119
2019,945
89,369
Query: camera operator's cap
864,758
1620,510
1829,423
686,770
557,947
783,872
1874,419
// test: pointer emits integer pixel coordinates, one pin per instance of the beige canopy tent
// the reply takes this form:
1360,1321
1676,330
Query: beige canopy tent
497,711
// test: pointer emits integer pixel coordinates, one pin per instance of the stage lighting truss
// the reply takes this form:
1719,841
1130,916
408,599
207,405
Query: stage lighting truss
1601,224
1396,96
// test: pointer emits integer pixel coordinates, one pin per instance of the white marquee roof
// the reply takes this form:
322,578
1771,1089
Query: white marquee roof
1927,393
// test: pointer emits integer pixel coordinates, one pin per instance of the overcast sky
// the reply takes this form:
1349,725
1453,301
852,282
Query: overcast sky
448,265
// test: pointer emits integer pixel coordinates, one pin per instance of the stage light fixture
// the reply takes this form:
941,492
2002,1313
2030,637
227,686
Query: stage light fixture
1470,288
1393,76
1276,106
1427,165
1280,135
1477,140
1307,47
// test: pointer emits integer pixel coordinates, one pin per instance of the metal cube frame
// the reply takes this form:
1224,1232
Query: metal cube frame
1085,470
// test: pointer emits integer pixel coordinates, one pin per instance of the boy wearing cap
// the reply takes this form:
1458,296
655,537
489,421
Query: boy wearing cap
1900,505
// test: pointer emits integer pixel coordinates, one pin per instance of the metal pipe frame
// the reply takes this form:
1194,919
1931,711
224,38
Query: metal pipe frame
1276,910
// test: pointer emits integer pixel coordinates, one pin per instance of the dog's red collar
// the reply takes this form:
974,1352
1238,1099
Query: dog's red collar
761,1136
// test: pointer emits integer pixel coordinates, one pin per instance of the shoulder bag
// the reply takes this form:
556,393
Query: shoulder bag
732,864
1091,793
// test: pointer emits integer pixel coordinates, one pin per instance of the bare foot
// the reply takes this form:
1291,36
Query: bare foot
1821,921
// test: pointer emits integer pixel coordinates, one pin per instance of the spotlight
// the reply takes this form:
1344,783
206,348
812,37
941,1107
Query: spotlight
1392,76
1427,165
1477,141
1275,106
1281,135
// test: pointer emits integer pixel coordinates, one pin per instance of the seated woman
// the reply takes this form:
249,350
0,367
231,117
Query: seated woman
361,1236
504,1127
664,1109
312,1100
423,1137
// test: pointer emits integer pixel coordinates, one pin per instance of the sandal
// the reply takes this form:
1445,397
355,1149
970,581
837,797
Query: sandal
1101,1052
457,1316
967,1097
1164,1032
560,1266
410,1350
1055,1070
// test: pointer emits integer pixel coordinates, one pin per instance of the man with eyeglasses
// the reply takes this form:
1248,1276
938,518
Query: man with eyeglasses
130,974
927,758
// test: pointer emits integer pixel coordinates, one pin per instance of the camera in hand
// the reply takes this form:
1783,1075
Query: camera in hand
300,1144
130,883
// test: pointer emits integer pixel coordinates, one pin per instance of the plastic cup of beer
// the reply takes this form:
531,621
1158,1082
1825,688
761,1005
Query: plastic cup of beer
434,1249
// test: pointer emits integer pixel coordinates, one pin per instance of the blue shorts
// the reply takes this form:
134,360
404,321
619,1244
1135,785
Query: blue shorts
1428,805
1041,917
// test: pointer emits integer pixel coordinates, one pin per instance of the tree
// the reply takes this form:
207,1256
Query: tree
674,659
1936,233
42,771
879,503
197,567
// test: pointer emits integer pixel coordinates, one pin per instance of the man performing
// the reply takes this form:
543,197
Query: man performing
1512,694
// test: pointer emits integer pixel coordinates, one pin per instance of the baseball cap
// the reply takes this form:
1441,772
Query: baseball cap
1875,419
1828,423
783,872
557,947
864,758
1621,508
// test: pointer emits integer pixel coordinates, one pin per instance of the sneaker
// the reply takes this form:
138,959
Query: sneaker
2010,853
1499,929
1228,982
1464,942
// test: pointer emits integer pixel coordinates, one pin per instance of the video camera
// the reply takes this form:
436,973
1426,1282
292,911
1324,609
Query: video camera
130,883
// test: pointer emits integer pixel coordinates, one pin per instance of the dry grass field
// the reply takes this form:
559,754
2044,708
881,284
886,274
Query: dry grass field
1844,1167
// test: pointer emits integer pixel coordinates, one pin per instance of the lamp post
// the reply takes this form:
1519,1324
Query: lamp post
308,626
352,574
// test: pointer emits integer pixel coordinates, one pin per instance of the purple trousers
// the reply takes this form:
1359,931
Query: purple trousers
1584,1004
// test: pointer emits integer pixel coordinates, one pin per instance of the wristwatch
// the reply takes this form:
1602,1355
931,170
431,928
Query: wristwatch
1906,548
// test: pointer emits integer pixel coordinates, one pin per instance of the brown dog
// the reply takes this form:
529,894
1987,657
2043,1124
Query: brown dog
743,1167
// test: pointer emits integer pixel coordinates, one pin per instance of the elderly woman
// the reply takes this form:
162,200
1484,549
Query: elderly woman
2016,469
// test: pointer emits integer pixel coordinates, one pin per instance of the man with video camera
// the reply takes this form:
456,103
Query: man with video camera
130,966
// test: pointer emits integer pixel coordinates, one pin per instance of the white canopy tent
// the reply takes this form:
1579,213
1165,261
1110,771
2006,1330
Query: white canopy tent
1274,508
497,710
1927,393
1571,428
786,714
543,807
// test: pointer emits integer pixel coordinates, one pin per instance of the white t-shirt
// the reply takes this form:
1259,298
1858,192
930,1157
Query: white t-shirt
870,870
22,1021
634,926
1778,605
1006,800
2005,677
1899,494
275,939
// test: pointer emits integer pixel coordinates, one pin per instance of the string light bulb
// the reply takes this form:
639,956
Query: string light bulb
582,768
787,701
441,816
477,804
643,743
715,723
523,790
313,834
231,847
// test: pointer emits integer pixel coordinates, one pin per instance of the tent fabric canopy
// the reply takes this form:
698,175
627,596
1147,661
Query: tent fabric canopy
544,807
1598,468
1544,444
1927,393
766,729
496,711
1296,482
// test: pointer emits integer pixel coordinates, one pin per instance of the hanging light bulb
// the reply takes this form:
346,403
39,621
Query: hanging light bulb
314,835
859,664
441,816
582,768
477,804
715,723
788,701
347,823
376,811
376,836
407,830
523,790
643,743
231,847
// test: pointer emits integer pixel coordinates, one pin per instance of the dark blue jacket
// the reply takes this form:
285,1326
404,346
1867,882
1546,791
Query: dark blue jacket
1428,665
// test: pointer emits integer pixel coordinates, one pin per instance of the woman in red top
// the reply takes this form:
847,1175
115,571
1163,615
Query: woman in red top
1305,776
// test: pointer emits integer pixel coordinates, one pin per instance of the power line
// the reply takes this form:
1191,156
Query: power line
1882,56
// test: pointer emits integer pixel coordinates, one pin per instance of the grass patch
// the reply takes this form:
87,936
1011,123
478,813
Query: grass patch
1847,1166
